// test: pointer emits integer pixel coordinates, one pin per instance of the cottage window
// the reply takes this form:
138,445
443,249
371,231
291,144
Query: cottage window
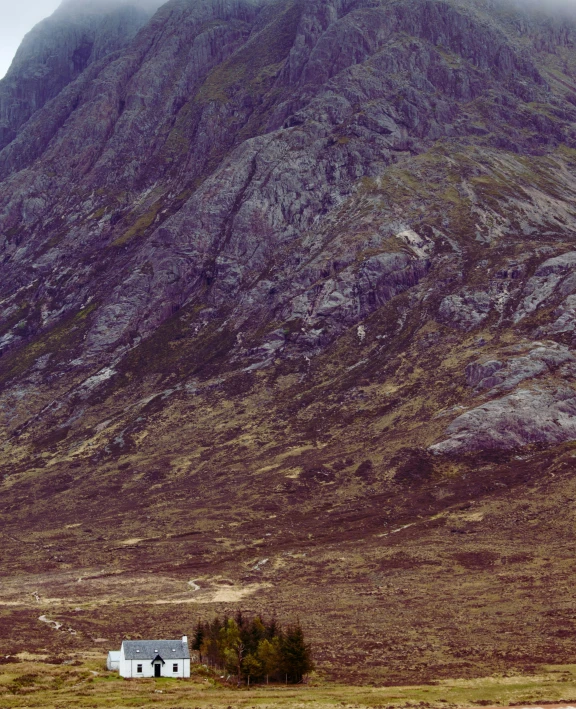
175,667
139,669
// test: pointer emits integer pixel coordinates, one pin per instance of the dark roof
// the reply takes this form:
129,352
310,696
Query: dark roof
149,649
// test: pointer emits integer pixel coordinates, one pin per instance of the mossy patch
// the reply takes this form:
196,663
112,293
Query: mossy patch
258,59
177,350
140,225
60,341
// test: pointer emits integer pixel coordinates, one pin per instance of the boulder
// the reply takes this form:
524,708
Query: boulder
465,311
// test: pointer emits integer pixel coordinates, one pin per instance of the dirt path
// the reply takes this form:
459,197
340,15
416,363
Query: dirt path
56,625
52,623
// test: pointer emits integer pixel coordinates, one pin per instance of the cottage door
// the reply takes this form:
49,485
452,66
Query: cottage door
157,669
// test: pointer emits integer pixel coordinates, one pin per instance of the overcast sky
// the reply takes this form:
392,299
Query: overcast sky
17,18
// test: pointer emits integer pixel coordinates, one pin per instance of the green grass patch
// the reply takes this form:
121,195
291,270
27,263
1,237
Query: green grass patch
59,341
49,688
140,226
256,61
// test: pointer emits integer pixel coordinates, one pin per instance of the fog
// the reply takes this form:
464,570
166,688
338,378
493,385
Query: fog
17,17
551,6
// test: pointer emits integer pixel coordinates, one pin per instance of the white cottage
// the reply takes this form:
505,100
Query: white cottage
155,658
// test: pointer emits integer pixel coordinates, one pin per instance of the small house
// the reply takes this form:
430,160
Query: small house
155,658
113,661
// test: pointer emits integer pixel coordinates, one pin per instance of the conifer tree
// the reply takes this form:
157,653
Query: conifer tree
232,647
198,640
296,654
252,667
270,656
272,628
253,648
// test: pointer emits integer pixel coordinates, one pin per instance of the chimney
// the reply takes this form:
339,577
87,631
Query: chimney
184,640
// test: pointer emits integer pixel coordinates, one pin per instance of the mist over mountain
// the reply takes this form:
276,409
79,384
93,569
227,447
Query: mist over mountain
59,48
549,7
97,5
287,308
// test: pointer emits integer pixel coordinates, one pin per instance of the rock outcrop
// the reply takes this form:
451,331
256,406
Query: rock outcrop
525,417
498,376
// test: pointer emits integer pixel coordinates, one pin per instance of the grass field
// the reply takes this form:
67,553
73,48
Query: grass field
32,682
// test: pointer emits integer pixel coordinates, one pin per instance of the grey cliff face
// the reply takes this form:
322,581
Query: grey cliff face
297,179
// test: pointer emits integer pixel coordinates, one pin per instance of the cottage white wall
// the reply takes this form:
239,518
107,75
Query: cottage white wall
124,666
182,671
147,668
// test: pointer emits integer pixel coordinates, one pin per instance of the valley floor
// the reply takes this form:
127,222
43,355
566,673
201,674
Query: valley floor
32,682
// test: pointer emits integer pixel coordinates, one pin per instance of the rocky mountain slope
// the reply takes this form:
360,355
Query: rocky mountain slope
279,281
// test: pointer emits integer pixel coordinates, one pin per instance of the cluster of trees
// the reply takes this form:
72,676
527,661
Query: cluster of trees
254,649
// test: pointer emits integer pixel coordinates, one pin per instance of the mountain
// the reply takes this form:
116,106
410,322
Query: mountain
287,321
